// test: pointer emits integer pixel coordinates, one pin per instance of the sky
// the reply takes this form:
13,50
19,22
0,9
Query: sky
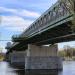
17,15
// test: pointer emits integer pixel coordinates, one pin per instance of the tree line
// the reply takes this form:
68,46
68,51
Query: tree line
67,51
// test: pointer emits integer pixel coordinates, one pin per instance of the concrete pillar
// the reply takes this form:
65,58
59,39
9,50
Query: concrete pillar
42,58
18,58
8,57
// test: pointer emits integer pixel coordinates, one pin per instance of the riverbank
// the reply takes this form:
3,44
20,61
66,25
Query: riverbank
68,58
1,58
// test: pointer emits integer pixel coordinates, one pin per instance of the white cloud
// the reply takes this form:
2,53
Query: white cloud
19,29
29,13
3,45
15,23
20,12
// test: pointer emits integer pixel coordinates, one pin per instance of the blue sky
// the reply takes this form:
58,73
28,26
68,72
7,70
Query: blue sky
17,15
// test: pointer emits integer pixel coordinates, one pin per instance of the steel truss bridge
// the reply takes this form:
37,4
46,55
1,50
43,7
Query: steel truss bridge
55,25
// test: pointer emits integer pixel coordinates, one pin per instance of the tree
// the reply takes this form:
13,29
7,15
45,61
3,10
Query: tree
68,50
62,53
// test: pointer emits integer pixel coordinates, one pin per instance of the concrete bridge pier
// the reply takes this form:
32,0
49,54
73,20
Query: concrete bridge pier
18,58
42,58
8,57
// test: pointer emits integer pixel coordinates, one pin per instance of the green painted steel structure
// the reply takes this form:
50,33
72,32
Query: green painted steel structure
55,25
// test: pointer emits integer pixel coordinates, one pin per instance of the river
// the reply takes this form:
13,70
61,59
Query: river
6,69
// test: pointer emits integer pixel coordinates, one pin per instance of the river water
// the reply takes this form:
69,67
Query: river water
6,69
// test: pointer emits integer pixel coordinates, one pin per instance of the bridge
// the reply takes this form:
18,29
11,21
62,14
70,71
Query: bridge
55,25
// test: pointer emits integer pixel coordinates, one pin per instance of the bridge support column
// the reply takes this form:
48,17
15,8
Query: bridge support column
42,58
8,57
18,58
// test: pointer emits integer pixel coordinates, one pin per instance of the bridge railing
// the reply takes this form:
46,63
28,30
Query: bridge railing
18,38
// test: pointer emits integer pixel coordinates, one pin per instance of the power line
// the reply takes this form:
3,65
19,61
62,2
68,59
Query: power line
5,40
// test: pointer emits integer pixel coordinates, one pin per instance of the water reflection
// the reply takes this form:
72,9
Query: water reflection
6,69
20,72
42,72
